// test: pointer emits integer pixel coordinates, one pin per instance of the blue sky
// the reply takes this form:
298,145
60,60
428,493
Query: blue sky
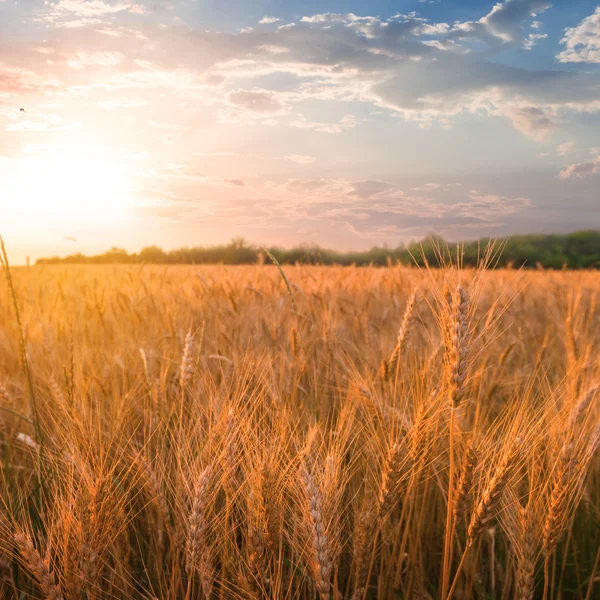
346,124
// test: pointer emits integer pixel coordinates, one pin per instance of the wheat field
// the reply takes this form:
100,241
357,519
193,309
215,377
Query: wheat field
368,433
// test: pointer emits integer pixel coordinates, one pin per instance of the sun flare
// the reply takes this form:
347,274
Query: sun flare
75,185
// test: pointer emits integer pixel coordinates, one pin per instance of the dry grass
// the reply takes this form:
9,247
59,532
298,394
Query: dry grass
189,433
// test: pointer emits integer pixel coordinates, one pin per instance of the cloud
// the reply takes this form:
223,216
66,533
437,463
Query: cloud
269,20
118,32
338,18
346,122
93,8
257,101
101,59
532,39
503,24
345,57
504,20
86,8
332,57
370,209
272,49
18,80
367,199
531,121
369,189
77,14
183,174
253,104
300,159
484,206
565,148
427,187
582,169
582,43
324,187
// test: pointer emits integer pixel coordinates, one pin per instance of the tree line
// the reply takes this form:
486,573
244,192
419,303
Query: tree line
577,250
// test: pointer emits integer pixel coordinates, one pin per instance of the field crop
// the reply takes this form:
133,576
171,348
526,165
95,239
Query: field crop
190,432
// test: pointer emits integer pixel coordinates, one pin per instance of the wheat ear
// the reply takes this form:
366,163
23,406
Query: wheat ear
458,347
492,493
186,370
526,555
390,479
464,482
405,327
38,567
197,549
363,542
321,563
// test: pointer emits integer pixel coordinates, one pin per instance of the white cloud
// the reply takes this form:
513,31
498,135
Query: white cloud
532,39
273,49
339,58
504,20
426,187
121,32
101,59
269,20
503,23
582,43
345,57
338,18
93,8
76,14
582,169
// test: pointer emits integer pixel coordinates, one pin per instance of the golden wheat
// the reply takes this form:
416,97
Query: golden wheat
362,442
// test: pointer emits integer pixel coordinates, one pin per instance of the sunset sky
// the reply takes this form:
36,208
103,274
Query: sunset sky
347,123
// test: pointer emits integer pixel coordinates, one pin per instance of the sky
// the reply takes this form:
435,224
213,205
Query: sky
346,124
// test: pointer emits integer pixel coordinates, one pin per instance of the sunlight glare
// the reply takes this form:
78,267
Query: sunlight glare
75,185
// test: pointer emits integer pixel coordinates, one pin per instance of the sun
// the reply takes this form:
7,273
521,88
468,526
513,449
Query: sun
69,185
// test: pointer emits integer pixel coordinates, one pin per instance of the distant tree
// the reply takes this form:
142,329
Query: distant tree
152,254
239,243
575,250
